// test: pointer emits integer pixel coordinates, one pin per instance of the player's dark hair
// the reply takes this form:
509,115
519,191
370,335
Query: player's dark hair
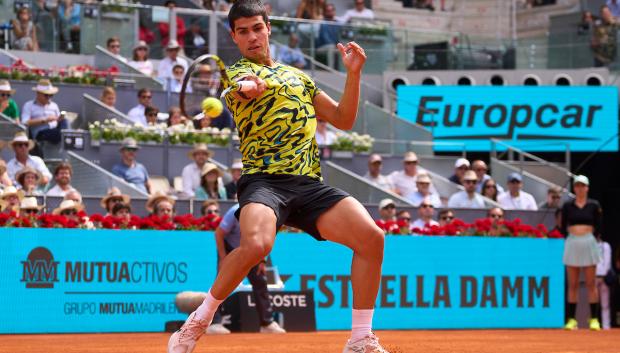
246,8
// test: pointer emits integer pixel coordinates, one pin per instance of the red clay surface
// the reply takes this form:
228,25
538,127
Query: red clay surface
491,341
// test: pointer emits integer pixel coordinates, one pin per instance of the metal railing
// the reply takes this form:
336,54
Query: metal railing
130,75
94,110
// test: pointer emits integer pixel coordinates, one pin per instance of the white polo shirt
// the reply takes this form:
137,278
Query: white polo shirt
33,110
524,201
33,162
164,71
461,200
136,114
191,179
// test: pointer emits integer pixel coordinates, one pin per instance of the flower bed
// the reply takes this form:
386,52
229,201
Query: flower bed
78,74
353,142
480,227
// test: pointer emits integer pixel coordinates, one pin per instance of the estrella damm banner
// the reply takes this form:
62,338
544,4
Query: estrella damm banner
543,118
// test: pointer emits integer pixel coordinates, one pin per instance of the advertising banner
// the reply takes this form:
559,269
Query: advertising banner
541,118
59,280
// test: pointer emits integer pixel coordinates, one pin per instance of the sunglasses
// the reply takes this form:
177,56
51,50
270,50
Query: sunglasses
152,114
469,182
427,206
213,211
49,95
388,207
146,97
491,186
68,212
497,215
5,95
30,211
447,218
414,162
20,144
480,169
404,219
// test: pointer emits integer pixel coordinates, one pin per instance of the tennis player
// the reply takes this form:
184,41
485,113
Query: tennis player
281,181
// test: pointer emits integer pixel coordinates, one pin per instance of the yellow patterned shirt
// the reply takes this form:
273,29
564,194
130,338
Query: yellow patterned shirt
276,130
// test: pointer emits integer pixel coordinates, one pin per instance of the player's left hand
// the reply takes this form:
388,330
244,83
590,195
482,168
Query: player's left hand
353,56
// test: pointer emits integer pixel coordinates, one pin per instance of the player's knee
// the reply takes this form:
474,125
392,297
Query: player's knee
256,251
373,242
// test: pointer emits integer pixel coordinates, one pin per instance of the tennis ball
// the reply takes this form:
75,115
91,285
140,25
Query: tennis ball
212,107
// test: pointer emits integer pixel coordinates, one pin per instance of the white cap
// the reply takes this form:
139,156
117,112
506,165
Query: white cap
386,202
461,162
581,179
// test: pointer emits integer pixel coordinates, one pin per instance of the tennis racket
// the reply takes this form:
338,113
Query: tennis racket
215,62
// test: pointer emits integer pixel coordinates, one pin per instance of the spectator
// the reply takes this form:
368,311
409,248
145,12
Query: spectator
403,218
202,122
151,113
8,106
291,54
176,83
12,198
481,169
210,207
495,215
196,40
614,7
42,115
460,167
211,183
604,39
130,170
69,209
136,114
74,196
28,180
206,82
446,216
329,34
122,211
490,189
164,71
108,97
554,198
467,198
515,198
164,27
602,268
140,59
310,9
21,145
113,45
113,197
191,174
175,116
375,163
4,176
426,211
404,181
424,192
69,16
358,11
235,173
587,23
24,31
323,136
29,206
160,205
62,175
387,216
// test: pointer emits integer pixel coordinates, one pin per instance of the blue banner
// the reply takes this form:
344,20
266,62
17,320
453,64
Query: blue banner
543,118
58,280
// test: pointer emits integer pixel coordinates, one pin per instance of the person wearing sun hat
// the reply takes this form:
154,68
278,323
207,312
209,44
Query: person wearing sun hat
114,196
22,146
164,71
191,174
70,209
12,197
211,184
42,115
467,198
8,106
160,204
29,206
582,221
140,60
129,169
28,179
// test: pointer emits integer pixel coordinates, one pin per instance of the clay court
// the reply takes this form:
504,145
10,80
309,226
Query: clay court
494,341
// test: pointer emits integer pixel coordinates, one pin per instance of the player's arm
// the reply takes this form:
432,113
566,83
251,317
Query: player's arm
342,114
252,93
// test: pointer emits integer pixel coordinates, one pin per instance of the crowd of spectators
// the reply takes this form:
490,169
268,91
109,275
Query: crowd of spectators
603,32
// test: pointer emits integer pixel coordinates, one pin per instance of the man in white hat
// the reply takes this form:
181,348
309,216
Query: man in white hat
130,170
235,173
42,116
460,167
12,197
200,154
8,106
404,181
29,207
164,71
467,198
21,145
375,163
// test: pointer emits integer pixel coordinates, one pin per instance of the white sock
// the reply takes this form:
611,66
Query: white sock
207,309
361,324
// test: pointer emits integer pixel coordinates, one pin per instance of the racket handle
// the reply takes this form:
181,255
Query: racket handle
244,86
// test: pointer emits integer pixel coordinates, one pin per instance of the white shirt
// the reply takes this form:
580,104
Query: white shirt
381,181
57,191
146,67
164,71
191,179
33,162
605,264
175,86
32,110
325,140
136,114
416,198
353,13
524,201
421,224
461,200
403,183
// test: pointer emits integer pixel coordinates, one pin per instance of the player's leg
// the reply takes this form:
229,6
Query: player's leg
572,277
258,231
348,223
593,299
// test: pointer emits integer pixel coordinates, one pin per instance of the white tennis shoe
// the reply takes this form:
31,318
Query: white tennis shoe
368,344
184,340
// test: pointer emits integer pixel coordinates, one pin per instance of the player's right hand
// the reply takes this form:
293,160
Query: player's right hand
261,87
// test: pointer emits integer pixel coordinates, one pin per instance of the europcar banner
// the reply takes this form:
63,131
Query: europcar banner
60,280
542,118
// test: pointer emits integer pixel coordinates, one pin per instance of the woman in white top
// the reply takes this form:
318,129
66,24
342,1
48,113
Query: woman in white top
140,59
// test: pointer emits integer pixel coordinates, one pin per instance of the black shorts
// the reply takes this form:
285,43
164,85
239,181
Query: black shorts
297,200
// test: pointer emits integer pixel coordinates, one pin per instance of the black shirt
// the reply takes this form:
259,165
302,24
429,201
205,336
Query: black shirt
590,214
